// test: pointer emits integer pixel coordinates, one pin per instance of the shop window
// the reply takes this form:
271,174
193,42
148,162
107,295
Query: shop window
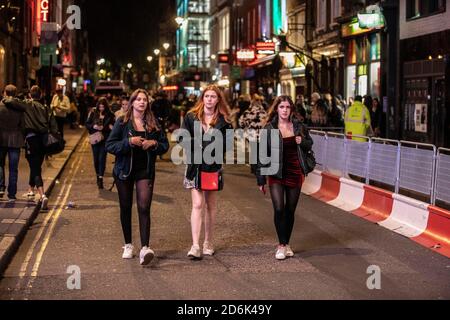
422,8
351,54
375,74
362,50
351,82
375,46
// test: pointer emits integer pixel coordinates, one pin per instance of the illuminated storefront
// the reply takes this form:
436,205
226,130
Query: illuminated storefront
362,38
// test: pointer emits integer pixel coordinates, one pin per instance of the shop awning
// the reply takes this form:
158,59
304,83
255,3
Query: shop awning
263,62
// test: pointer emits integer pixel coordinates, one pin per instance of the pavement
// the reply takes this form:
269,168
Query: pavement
16,218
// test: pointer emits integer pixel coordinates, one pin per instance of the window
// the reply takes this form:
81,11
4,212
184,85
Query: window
336,10
422,8
321,14
224,31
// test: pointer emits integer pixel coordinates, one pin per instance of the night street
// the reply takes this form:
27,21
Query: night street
334,248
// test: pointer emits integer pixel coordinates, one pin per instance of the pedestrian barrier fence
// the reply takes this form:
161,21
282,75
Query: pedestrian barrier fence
405,166
442,178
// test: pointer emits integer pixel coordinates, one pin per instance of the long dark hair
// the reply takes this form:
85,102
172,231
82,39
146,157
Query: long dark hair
149,117
104,102
273,111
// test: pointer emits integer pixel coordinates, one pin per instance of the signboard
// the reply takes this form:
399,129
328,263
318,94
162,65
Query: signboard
371,20
224,58
236,72
265,47
246,55
44,10
421,118
47,51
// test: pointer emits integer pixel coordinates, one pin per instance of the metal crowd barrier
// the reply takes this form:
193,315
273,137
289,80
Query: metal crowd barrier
442,177
403,165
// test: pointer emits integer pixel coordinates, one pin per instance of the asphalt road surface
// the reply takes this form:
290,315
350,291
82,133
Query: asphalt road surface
338,254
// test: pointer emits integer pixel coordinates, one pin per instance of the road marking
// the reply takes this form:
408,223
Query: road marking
54,221
43,227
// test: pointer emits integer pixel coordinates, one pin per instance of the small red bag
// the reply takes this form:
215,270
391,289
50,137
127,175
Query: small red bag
209,181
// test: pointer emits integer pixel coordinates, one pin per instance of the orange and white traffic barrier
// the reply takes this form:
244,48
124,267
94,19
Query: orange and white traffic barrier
377,205
423,223
437,234
351,195
313,183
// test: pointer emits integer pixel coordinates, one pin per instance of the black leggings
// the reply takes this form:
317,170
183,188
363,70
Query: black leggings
285,201
144,195
35,157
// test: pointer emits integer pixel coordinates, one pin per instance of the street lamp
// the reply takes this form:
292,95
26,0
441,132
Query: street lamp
166,46
130,65
156,52
149,58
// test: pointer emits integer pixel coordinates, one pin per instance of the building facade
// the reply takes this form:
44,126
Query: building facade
425,71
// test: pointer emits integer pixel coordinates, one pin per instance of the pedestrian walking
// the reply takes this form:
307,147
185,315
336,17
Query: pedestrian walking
252,121
136,140
61,107
285,186
100,124
37,123
11,141
123,107
212,114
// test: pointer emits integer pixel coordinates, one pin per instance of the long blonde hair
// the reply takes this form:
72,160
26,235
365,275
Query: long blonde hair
222,107
149,117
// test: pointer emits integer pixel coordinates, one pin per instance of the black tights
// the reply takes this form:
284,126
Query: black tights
144,195
285,201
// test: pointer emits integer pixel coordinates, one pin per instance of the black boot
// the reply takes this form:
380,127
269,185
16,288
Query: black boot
100,183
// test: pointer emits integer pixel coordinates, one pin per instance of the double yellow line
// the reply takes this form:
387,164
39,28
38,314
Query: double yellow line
51,220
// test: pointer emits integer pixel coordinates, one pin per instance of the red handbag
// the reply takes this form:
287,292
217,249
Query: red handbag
209,181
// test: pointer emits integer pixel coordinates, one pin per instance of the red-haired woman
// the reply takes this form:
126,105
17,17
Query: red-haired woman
136,141
285,186
211,113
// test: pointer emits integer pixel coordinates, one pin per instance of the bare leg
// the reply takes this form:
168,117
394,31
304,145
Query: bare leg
210,217
198,201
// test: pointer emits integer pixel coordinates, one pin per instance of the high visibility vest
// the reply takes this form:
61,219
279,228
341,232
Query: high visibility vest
357,121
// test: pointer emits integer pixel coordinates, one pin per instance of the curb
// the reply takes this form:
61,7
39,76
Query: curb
12,240
426,225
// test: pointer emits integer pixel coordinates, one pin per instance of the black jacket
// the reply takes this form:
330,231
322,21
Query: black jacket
37,116
11,125
306,145
188,125
94,119
118,145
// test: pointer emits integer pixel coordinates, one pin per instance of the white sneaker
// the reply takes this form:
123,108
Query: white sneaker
44,203
146,256
208,249
128,251
281,253
195,253
289,252
31,195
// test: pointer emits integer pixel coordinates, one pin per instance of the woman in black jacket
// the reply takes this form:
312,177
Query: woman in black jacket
136,141
211,115
285,186
99,124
